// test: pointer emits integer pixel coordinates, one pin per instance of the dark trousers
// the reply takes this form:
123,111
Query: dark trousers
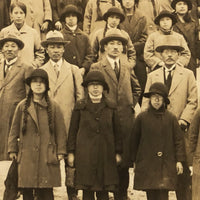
89,195
121,194
157,194
184,186
40,193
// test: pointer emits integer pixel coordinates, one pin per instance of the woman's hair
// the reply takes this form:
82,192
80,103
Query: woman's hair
19,4
27,104
106,28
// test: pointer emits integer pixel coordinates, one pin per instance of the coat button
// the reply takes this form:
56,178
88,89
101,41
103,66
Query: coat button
97,118
74,34
98,131
74,57
159,154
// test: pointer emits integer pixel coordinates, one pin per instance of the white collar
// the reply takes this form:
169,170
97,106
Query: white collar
112,61
72,28
11,61
59,63
169,70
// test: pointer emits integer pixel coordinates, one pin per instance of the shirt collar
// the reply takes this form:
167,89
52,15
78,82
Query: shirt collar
171,69
112,61
72,28
11,61
59,63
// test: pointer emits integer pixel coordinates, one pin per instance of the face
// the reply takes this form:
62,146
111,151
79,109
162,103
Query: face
95,88
166,23
181,8
169,57
128,4
114,48
55,51
156,101
71,19
10,50
38,85
113,21
18,15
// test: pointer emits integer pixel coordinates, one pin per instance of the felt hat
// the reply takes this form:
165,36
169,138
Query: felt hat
165,13
188,2
114,11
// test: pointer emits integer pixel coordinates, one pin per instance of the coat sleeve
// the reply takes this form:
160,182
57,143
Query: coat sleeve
95,44
55,16
88,17
47,10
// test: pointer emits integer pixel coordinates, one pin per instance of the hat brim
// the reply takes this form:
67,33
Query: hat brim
105,40
104,84
78,14
189,3
157,19
107,14
163,47
19,43
28,81
46,42
148,95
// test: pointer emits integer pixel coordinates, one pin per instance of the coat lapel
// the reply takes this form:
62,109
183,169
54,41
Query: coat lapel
32,112
50,69
1,75
122,73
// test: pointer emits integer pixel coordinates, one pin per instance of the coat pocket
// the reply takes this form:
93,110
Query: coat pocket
52,154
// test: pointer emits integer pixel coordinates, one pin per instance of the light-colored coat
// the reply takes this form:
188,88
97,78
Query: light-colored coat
65,89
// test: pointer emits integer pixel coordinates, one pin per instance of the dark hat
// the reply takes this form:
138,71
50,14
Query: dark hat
114,11
165,13
13,38
38,73
53,37
71,9
95,76
113,34
188,2
158,88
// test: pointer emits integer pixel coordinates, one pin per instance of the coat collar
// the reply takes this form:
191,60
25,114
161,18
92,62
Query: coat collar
68,31
22,30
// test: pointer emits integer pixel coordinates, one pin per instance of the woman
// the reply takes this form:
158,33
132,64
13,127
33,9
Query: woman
32,53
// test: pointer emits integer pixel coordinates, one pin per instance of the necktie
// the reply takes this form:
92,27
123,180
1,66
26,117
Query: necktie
6,69
56,69
116,69
169,80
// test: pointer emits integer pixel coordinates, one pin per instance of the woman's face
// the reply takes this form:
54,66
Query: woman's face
71,19
156,101
18,15
166,23
113,21
95,89
128,4
38,85
181,8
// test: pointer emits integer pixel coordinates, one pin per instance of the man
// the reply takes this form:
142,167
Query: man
124,91
183,99
64,80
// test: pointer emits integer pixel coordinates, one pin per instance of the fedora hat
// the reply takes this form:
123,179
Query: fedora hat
165,13
13,38
53,37
114,11
188,2
158,88
71,9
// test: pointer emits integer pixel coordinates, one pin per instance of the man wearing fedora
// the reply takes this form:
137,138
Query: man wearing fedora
183,100
124,91
64,80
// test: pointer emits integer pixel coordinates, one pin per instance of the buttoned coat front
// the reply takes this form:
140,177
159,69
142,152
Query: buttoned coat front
12,91
66,88
125,95
37,149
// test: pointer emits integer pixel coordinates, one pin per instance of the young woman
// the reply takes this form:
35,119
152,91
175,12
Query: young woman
38,140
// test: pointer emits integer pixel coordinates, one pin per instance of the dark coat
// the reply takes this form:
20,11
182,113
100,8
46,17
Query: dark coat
4,13
38,148
78,51
156,145
12,91
95,138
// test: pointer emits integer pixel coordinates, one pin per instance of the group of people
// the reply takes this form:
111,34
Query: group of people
70,83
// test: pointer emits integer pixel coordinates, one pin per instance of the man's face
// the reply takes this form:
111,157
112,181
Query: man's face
169,57
114,48
55,51
10,50
71,19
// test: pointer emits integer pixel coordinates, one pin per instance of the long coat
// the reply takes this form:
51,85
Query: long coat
156,149
37,148
66,88
125,94
78,51
95,138
12,91
194,141
4,13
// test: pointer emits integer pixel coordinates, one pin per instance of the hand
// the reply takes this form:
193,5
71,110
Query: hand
70,159
183,124
44,26
13,156
191,170
58,25
82,70
60,157
118,158
179,168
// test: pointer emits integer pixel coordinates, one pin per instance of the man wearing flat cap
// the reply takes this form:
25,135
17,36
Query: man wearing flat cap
183,100
124,91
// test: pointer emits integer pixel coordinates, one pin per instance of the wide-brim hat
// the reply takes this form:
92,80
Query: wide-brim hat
53,37
163,47
158,88
38,73
114,11
12,38
165,13
95,76
113,34
71,9
189,3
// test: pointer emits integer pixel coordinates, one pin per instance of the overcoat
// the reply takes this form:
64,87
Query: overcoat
4,13
78,51
66,88
12,91
194,144
95,139
125,94
32,53
156,149
37,148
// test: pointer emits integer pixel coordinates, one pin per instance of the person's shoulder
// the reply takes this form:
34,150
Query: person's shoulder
185,71
80,105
